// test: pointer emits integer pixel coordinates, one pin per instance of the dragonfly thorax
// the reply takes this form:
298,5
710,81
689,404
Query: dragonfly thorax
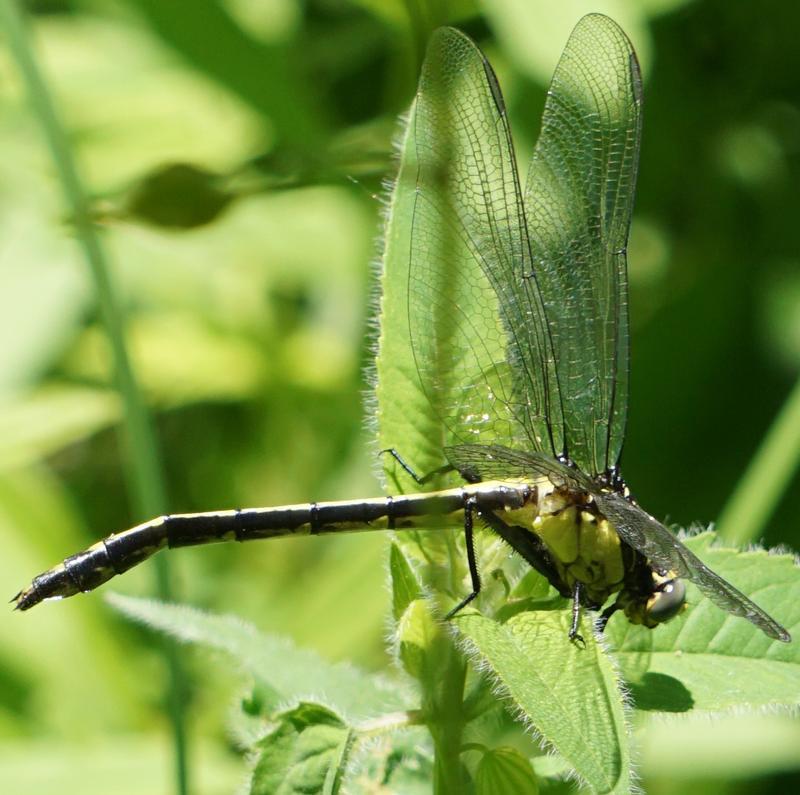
584,548
582,545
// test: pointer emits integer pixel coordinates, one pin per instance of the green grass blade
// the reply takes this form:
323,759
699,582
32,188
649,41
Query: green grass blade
766,478
144,477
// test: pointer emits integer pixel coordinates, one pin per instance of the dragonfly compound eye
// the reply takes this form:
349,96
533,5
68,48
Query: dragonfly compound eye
666,602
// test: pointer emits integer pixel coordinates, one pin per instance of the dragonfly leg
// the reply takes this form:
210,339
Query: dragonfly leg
576,616
605,615
469,507
442,470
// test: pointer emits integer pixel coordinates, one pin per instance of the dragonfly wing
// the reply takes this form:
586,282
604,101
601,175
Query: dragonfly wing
476,320
579,199
647,535
494,462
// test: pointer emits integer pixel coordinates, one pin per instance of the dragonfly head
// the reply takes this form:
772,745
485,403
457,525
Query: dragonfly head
666,598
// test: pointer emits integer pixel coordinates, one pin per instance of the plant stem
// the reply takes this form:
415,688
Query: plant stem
766,478
140,451
449,726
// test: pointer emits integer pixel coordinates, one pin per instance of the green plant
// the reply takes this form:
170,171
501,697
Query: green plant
473,695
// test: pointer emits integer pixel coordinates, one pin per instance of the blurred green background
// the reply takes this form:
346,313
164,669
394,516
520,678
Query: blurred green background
236,151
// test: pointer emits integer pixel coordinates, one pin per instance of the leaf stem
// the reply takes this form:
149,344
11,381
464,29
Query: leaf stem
766,478
140,450
448,725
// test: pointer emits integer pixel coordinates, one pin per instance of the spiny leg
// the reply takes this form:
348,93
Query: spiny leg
574,635
469,539
442,470
469,507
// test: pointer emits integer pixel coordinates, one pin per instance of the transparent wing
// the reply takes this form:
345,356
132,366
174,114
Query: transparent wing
635,527
476,319
493,462
663,550
578,199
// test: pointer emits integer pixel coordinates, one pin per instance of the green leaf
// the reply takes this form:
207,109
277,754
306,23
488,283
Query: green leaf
404,414
306,753
505,771
709,660
242,64
276,663
566,693
405,586
739,746
50,419
550,766
102,762
178,195
420,640
400,762
181,359
44,296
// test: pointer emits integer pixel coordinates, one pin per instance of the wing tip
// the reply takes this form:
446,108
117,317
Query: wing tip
782,635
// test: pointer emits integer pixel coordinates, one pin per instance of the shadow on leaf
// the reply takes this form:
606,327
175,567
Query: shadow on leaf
660,693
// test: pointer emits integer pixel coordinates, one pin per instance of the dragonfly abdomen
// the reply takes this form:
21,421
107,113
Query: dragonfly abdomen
119,552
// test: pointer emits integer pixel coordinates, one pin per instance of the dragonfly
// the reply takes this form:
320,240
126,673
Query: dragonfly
517,321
